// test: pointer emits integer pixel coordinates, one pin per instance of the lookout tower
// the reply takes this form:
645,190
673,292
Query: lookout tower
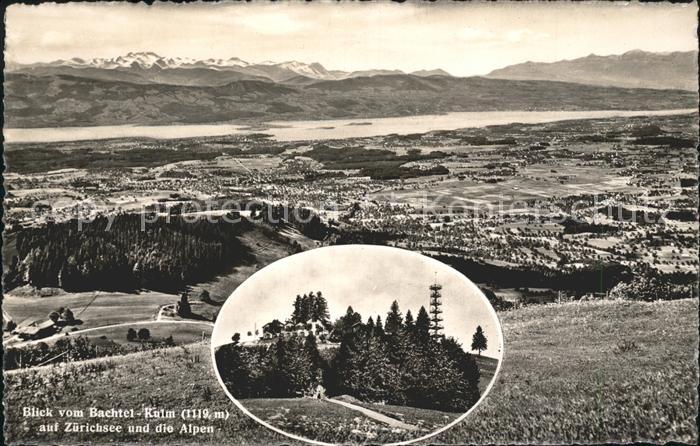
435,310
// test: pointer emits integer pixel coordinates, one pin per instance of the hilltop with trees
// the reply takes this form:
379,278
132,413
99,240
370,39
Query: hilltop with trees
394,362
310,307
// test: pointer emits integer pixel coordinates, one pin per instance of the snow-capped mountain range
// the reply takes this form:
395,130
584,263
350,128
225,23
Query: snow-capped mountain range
145,60
276,71
634,69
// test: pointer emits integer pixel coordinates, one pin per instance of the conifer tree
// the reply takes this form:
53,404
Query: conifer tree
423,325
378,327
183,307
311,349
296,315
479,341
305,311
344,325
320,309
370,326
408,321
393,319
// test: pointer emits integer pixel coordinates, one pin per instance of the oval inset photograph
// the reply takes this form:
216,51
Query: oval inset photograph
357,344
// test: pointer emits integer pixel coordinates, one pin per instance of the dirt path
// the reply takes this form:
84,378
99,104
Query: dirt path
393,422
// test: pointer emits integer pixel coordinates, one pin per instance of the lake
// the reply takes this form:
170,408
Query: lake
321,129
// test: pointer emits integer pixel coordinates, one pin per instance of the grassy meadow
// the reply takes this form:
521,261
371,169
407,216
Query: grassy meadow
95,309
487,368
590,372
182,333
324,421
267,249
426,420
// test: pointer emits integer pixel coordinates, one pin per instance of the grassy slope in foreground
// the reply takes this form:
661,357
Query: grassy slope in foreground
332,423
594,372
581,372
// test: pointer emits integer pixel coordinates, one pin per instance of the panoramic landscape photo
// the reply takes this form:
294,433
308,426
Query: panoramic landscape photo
156,157
393,349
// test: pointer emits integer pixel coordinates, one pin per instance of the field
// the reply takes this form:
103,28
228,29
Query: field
95,309
175,378
589,372
104,314
106,317
182,332
532,183
324,421
593,372
487,368
424,418
267,249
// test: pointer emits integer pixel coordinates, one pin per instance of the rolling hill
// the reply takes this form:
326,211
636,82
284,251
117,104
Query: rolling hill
67,100
426,73
633,69
632,377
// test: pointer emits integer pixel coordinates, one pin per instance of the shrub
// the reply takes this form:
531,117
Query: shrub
68,315
144,334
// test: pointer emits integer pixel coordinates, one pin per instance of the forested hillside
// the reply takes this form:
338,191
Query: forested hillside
396,362
61,100
124,255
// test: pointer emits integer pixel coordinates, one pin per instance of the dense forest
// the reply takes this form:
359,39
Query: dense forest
125,254
396,362
395,171
379,164
592,278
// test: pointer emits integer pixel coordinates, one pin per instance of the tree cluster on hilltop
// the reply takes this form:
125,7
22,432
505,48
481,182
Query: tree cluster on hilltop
395,362
124,255
310,307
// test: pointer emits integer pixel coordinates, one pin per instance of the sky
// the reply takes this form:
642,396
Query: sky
462,38
368,278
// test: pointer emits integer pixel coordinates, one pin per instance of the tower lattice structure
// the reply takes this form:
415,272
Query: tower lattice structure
435,310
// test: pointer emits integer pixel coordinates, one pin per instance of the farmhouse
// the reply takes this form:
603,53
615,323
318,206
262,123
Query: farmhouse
37,330
312,326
